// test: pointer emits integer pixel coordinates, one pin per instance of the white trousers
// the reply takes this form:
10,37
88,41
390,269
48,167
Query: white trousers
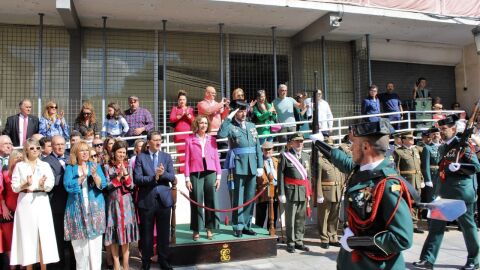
88,253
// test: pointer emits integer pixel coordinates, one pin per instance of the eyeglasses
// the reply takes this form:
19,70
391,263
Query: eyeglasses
98,145
34,148
267,149
52,107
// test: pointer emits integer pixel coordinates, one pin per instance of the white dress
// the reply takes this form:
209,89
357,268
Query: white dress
33,221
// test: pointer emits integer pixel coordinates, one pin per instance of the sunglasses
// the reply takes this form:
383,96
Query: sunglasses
94,156
87,113
34,148
52,107
98,145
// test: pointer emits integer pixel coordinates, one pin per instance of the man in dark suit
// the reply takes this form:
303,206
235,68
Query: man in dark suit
153,174
58,199
17,124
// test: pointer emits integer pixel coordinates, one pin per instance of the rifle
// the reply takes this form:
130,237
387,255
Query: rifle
314,155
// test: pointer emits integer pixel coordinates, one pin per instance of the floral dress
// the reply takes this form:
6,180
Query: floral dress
122,226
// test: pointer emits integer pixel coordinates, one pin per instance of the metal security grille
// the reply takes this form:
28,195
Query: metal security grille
251,64
19,67
360,72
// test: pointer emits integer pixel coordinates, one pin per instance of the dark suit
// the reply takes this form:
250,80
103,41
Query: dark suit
12,129
154,203
58,200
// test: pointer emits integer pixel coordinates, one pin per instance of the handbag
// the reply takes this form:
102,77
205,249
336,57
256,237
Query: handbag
275,127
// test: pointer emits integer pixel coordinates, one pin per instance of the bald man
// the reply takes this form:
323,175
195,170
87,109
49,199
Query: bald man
215,111
6,148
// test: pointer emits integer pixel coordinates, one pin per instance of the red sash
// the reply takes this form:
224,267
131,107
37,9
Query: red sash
304,183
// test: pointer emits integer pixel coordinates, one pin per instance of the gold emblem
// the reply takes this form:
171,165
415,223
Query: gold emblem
395,188
225,253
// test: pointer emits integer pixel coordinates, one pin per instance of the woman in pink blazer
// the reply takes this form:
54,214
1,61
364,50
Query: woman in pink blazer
202,176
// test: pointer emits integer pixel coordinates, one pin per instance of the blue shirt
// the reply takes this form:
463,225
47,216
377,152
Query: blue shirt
50,128
371,106
390,102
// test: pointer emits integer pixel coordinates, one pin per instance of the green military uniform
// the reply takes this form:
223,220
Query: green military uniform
461,186
408,163
296,196
378,209
244,159
330,186
430,158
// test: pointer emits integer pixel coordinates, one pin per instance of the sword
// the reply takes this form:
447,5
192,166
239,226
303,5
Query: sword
444,209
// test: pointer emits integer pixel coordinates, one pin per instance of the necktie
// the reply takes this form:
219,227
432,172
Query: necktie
62,161
155,160
25,126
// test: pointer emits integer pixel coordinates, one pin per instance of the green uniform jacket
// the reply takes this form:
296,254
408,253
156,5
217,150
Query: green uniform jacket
293,193
333,178
245,164
430,157
395,237
406,161
457,185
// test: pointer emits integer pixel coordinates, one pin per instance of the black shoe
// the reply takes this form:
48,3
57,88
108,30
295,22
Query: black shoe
290,249
325,245
335,244
145,266
302,247
417,230
249,232
164,265
423,264
470,266
237,233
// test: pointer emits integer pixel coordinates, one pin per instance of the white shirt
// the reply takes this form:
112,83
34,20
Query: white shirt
370,166
21,119
203,141
308,102
325,115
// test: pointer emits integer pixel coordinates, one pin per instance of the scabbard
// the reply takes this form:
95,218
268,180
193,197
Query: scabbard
365,243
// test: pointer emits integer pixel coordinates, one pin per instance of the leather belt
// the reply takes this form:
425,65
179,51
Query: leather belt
329,183
410,172
434,167
32,191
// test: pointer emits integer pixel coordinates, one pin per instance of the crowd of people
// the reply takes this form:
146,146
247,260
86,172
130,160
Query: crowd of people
62,206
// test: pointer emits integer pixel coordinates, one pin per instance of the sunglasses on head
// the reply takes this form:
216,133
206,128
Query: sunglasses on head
98,145
34,148
52,107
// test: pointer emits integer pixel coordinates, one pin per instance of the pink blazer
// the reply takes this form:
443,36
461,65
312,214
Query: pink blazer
193,155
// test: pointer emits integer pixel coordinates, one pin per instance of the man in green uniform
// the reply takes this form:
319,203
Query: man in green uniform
430,159
245,161
330,186
407,162
377,201
456,182
295,190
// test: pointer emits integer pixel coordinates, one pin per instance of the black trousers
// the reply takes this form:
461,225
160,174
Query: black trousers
261,213
148,217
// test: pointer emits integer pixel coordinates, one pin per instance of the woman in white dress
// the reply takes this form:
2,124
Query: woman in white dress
33,238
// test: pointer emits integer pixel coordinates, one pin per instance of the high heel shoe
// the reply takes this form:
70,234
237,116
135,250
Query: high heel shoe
195,236
209,235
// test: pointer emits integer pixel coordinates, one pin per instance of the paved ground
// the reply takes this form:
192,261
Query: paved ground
452,256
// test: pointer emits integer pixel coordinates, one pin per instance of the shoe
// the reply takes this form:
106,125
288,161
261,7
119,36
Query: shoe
423,264
209,235
470,266
302,247
249,232
195,236
290,249
237,233
324,245
335,244
417,230
145,266
164,265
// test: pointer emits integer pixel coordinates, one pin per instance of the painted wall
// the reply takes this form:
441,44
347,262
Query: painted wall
467,74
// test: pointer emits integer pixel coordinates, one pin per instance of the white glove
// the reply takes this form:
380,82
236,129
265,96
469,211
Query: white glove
320,199
429,184
232,114
282,199
422,185
453,167
259,172
343,240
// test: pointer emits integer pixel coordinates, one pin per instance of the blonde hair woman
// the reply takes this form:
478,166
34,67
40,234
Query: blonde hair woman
33,233
53,122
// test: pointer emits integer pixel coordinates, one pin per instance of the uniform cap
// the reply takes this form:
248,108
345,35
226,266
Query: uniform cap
380,128
298,136
449,120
